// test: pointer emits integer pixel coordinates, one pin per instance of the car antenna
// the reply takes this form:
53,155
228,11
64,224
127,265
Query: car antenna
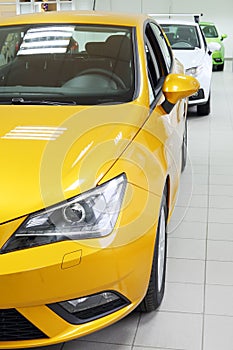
94,5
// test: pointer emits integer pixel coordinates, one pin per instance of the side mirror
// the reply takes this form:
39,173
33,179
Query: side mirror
212,46
178,86
223,36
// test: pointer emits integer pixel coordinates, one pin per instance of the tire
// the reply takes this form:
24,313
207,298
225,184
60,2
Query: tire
220,67
156,287
184,148
204,109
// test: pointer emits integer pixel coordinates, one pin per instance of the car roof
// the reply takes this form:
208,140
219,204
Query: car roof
207,23
86,17
176,21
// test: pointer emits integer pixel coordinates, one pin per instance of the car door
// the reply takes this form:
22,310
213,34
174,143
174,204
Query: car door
160,63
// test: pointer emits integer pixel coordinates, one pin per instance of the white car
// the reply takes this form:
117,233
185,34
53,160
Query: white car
190,47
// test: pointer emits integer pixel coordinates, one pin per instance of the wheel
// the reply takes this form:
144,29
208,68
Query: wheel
184,148
156,287
204,109
214,68
105,73
220,67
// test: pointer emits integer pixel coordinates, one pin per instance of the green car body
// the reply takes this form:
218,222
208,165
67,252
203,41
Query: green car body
212,35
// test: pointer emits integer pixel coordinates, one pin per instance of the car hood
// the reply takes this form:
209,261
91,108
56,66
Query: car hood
214,40
190,58
49,154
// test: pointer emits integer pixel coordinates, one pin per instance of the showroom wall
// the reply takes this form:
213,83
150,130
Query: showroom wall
216,11
7,8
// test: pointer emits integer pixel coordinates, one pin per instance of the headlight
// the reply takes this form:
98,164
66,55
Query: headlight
92,214
194,71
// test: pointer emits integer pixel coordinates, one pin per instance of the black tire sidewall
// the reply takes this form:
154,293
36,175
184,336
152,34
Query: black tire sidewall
160,293
184,150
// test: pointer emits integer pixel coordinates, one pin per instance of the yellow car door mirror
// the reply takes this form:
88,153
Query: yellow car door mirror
178,86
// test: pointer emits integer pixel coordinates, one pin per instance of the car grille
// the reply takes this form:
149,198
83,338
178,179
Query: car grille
14,326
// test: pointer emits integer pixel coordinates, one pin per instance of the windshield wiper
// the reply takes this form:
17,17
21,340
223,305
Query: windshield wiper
22,101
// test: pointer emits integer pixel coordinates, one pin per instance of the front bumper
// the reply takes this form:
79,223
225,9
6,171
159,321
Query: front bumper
217,58
32,279
198,98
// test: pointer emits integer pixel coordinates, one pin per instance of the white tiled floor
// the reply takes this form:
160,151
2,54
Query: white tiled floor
197,311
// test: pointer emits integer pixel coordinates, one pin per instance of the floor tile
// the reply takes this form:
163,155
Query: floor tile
223,159
170,330
222,170
193,201
198,179
219,272
186,248
220,250
197,169
149,348
190,214
86,345
218,333
195,230
220,231
221,202
221,190
195,189
219,300
199,160
183,297
221,179
221,215
185,270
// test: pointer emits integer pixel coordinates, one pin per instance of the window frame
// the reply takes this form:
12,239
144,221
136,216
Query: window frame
158,59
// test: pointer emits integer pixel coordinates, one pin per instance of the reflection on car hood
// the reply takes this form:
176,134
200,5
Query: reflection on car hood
190,58
49,154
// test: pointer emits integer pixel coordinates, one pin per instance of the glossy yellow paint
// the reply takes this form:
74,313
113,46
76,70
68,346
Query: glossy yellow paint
176,87
94,145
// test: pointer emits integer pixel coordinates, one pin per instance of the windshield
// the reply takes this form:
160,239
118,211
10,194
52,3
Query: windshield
183,37
78,64
209,31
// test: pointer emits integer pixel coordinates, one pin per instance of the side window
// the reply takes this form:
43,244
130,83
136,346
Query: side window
156,66
166,52
154,73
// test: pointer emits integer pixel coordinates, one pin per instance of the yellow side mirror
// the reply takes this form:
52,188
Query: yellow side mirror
178,86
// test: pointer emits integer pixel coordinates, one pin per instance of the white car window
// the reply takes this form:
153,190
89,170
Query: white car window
182,36
163,45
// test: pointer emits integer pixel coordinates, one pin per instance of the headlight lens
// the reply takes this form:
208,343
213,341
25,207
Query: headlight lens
92,214
194,71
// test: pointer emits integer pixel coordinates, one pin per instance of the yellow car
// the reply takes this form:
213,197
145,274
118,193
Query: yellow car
92,141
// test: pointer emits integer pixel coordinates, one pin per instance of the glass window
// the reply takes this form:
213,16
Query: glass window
182,36
163,45
158,66
209,31
154,74
85,64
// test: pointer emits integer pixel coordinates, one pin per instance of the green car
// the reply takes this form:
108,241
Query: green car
212,35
